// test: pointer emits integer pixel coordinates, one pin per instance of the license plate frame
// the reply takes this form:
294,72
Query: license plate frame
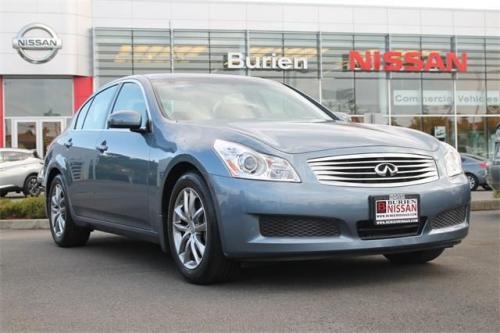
377,217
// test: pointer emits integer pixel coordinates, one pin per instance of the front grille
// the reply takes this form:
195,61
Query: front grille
360,169
449,218
296,226
368,230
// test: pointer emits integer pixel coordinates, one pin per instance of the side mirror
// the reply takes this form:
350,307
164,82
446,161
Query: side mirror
125,119
343,116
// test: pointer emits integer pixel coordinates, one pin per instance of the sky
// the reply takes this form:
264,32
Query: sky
456,4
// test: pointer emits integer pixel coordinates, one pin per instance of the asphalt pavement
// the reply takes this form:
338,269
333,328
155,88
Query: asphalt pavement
116,284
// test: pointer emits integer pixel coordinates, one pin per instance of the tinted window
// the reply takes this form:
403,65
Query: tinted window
131,98
81,114
98,112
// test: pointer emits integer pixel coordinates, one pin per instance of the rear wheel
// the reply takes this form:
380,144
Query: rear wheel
417,257
64,230
3,194
31,186
193,234
473,181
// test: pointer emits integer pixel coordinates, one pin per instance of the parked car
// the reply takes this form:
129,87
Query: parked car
18,171
494,169
476,170
220,169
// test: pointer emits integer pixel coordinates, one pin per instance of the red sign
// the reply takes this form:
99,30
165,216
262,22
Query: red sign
408,61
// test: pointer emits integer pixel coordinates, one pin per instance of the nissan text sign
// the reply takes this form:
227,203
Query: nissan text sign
407,61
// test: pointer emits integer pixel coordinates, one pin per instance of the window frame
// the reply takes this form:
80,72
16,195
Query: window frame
117,95
107,111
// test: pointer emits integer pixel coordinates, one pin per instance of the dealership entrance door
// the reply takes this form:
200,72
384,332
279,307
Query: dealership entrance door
36,133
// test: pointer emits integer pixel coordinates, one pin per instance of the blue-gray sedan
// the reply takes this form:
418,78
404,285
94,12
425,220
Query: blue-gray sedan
220,169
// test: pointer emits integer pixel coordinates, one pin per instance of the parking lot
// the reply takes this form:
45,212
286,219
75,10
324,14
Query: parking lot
119,284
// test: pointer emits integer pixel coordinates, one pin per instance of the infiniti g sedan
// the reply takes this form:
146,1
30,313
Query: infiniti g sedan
221,169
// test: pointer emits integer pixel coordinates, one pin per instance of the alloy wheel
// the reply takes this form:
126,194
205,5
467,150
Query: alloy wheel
472,182
33,187
189,228
58,210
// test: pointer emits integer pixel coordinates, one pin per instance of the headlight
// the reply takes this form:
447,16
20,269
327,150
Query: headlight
452,160
244,162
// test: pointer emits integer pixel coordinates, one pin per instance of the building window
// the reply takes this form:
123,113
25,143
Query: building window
371,96
442,128
37,97
338,94
476,135
437,96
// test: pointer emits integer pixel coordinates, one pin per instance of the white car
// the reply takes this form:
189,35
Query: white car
18,171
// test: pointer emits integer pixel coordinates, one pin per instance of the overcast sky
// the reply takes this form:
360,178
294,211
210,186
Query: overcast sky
463,4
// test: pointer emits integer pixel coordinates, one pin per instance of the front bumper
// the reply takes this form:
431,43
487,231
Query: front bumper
240,203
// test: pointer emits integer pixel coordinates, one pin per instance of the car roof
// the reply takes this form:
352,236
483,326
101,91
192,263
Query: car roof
193,76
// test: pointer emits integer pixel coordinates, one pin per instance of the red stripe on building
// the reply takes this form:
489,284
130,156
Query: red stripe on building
2,122
82,89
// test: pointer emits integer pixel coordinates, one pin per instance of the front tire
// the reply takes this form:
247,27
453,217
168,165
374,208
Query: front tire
417,257
62,227
193,233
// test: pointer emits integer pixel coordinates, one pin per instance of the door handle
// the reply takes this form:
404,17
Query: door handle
68,143
102,147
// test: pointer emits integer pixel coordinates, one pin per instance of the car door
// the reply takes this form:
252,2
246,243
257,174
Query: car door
81,153
123,165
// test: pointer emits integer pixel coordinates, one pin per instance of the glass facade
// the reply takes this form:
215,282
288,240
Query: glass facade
461,108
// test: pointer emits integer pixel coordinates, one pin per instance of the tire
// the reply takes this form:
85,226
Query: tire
473,181
3,194
64,232
417,257
193,233
31,186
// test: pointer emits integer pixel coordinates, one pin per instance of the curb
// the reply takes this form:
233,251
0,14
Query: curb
24,224
493,204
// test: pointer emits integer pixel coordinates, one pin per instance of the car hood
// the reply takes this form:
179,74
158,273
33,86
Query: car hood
296,137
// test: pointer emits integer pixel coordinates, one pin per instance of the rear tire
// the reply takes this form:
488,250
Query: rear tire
62,227
417,257
193,233
31,186
3,194
473,181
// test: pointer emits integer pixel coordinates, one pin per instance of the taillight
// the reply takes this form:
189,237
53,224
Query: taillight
483,165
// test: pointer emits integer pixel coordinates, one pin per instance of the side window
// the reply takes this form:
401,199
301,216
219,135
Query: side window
131,98
98,112
82,114
1,157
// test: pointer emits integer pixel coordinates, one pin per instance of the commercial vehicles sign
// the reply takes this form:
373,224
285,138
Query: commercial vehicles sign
37,43
407,61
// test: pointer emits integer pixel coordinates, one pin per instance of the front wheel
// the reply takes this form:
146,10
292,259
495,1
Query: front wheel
62,227
417,257
193,234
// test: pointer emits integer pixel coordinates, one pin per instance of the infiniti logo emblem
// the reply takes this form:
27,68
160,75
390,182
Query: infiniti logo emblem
386,169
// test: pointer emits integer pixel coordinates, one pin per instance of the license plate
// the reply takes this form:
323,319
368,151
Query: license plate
395,209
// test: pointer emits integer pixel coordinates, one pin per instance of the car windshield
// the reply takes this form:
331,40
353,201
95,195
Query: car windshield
233,99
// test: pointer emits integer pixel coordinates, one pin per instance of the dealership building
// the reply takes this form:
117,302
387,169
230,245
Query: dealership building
434,70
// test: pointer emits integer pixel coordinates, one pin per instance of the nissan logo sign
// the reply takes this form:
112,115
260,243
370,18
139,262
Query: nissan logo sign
386,169
37,43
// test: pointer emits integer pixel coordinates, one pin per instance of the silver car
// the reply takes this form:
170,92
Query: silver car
18,171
